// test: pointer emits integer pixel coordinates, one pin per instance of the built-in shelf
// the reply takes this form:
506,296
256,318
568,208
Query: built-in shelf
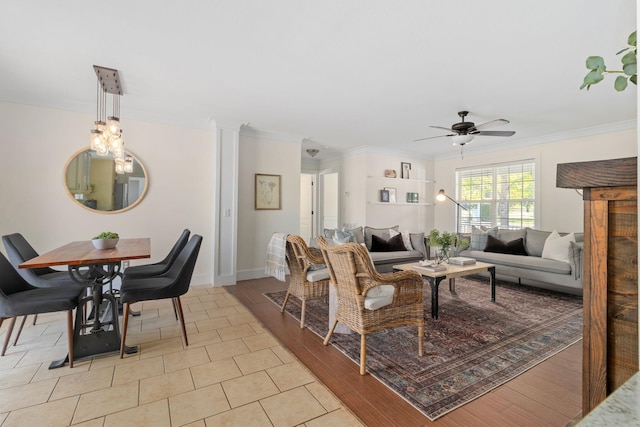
424,181
401,204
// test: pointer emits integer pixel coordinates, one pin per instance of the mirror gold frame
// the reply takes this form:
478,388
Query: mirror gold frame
92,183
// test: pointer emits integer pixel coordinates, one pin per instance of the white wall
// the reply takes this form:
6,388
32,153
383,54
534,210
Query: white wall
36,144
359,191
559,208
263,154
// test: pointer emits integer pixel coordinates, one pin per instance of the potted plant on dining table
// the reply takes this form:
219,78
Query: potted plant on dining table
105,240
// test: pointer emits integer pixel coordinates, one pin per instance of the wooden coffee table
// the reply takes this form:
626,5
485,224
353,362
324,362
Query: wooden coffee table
435,277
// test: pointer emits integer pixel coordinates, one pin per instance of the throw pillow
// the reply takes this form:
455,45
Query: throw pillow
514,247
378,244
344,234
380,232
557,247
406,239
417,242
338,241
534,241
479,237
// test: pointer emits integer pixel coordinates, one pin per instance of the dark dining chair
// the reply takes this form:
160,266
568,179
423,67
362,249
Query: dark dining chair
163,266
171,284
19,250
19,298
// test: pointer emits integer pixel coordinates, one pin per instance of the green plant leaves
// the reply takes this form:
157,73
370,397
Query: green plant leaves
596,63
598,68
620,84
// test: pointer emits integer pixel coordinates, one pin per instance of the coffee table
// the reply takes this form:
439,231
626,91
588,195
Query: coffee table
435,277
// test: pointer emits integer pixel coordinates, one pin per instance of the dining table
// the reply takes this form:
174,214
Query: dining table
94,269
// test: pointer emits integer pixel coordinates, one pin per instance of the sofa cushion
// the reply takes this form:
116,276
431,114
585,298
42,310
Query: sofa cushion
316,275
534,241
558,247
519,261
378,244
406,240
513,247
507,235
479,237
380,232
397,257
356,232
417,242
379,297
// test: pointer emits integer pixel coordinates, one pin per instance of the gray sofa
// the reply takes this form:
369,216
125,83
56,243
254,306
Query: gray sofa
383,260
531,269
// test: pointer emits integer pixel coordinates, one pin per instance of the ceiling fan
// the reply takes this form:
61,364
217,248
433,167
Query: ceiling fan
463,133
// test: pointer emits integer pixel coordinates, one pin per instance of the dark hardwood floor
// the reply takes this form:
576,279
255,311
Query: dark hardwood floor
547,395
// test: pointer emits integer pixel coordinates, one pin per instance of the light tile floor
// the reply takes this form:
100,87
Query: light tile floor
233,373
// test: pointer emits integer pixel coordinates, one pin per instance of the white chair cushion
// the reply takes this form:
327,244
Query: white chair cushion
379,297
317,275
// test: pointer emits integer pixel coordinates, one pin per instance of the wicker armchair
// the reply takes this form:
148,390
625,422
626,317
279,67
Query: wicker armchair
305,282
352,271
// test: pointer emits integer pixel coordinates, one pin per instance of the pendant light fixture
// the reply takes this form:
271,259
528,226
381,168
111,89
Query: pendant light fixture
106,136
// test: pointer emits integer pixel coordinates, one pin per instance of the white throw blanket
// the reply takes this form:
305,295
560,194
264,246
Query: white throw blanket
276,256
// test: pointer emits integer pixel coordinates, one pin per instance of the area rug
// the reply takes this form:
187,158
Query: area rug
475,345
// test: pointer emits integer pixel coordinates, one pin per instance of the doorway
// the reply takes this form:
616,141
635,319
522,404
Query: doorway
308,200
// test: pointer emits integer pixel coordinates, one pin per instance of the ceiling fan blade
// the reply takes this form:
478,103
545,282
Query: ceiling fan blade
432,137
492,123
495,133
440,127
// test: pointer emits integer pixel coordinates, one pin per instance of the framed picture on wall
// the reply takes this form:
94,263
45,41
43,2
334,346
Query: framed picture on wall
405,167
268,191
384,196
392,194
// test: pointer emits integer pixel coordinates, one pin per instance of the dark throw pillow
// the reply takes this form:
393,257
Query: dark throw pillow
378,244
514,247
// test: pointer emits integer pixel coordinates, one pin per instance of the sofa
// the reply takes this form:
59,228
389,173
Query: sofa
386,246
545,259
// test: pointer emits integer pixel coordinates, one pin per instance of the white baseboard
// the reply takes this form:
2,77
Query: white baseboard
256,273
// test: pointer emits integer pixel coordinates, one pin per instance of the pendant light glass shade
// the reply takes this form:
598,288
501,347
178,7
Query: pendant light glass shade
106,137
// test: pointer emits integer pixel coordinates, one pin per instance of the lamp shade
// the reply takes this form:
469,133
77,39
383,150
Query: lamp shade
441,197
461,139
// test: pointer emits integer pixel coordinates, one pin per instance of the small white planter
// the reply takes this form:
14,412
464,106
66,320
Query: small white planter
104,243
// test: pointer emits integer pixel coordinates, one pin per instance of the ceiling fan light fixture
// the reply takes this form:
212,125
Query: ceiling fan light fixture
461,139
312,152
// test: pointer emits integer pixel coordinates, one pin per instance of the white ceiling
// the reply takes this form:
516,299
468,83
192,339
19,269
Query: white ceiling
340,73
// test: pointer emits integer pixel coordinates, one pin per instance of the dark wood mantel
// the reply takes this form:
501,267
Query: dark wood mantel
610,272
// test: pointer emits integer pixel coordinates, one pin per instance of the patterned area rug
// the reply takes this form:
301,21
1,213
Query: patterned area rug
473,347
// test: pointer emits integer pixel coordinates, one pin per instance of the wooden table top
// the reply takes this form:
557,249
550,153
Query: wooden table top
451,271
83,253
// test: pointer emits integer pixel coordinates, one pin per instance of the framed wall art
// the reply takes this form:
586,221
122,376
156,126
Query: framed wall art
268,192
405,167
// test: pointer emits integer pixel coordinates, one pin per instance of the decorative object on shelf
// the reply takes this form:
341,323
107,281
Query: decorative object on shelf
413,197
392,194
441,197
406,167
384,196
106,137
390,173
105,240
267,192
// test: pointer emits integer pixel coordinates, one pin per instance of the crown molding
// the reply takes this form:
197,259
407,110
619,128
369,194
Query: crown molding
248,131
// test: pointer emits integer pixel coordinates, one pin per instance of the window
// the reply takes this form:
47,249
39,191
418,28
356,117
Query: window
501,195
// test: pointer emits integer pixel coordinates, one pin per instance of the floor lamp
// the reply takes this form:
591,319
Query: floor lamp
442,196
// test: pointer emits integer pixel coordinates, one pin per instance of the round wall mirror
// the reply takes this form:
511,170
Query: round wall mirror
93,183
